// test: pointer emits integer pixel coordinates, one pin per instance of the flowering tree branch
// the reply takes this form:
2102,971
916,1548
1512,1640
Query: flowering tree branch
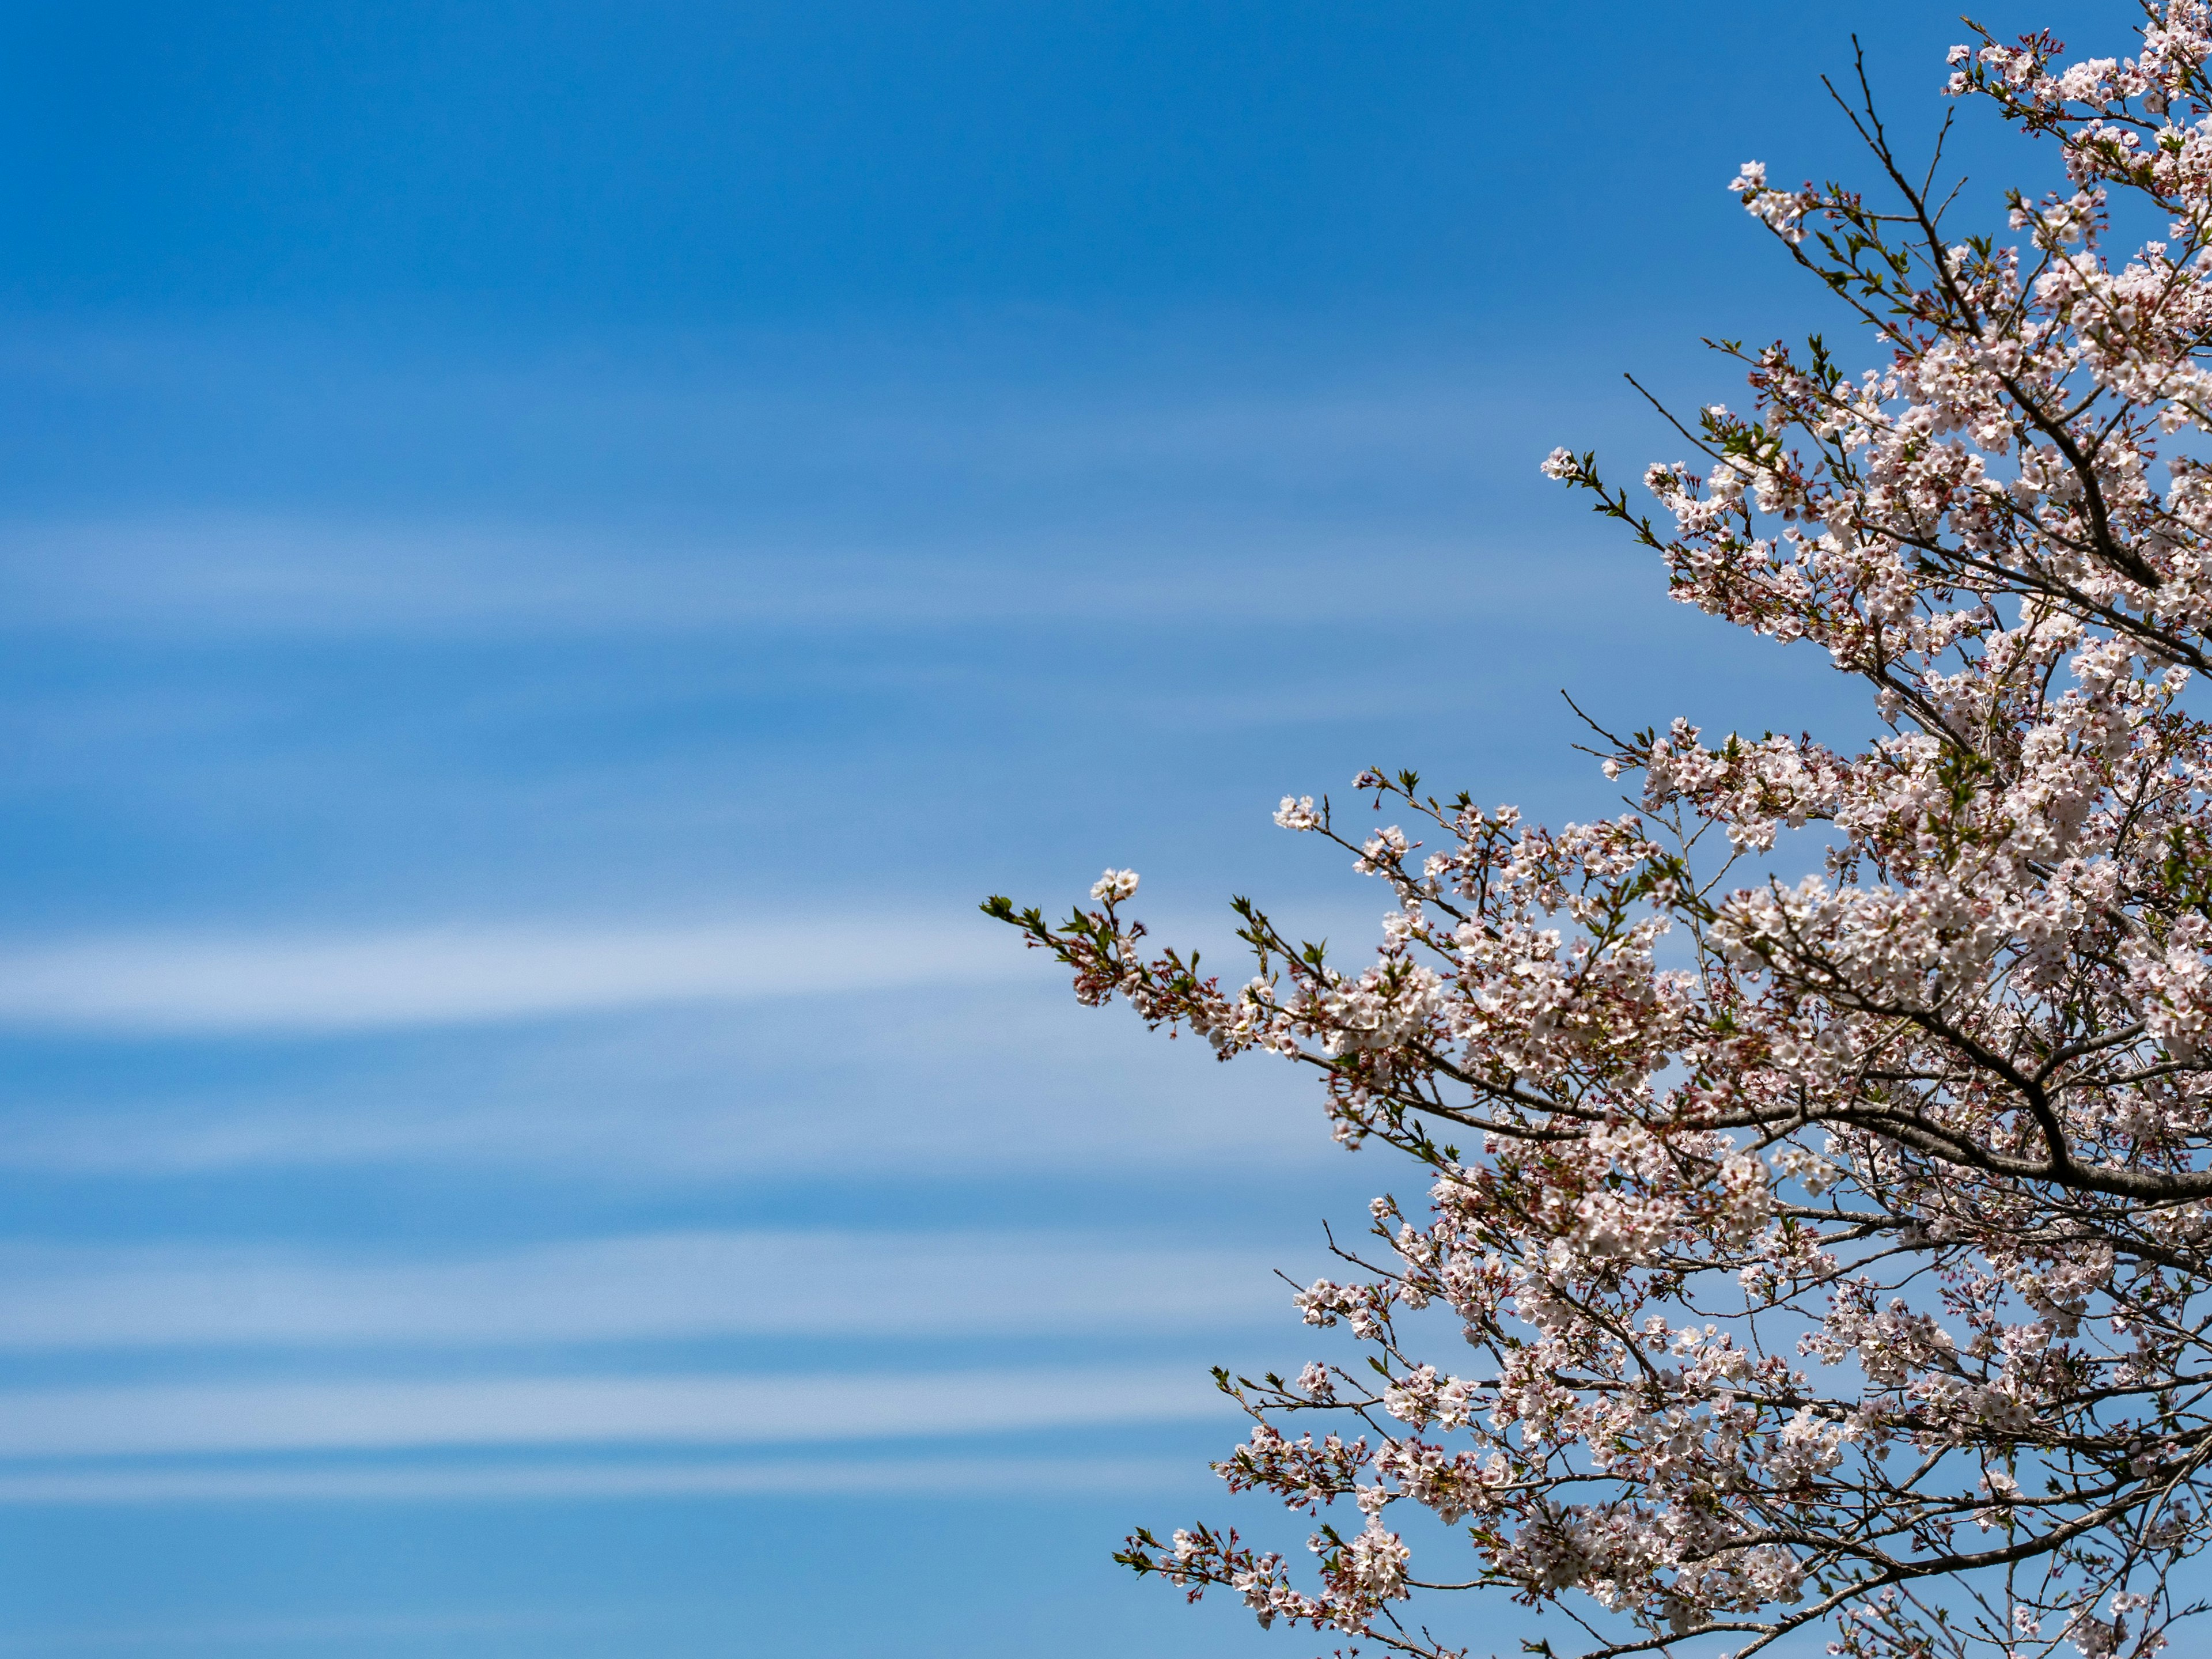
1832,1250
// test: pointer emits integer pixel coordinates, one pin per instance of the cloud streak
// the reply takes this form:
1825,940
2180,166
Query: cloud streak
468,976
657,1286
206,1419
274,578
924,1081
508,1482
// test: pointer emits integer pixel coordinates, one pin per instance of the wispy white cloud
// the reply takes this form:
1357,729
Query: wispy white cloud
669,1284
345,1630
840,494
462,975
695,1409
925,1081
238,576
233,1635
417,1483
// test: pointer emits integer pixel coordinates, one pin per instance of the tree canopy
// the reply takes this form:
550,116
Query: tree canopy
1835,1248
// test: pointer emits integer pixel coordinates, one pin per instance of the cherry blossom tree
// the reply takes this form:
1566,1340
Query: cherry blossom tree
1833,1251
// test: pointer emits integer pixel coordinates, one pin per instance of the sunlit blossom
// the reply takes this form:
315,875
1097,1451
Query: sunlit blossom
1817,1222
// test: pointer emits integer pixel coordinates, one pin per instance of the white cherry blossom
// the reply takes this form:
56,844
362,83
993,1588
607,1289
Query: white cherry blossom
1815,1160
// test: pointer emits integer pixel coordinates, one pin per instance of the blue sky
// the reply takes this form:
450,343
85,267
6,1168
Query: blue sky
549,554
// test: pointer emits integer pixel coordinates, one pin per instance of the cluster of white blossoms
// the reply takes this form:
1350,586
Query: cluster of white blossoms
1818,1158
